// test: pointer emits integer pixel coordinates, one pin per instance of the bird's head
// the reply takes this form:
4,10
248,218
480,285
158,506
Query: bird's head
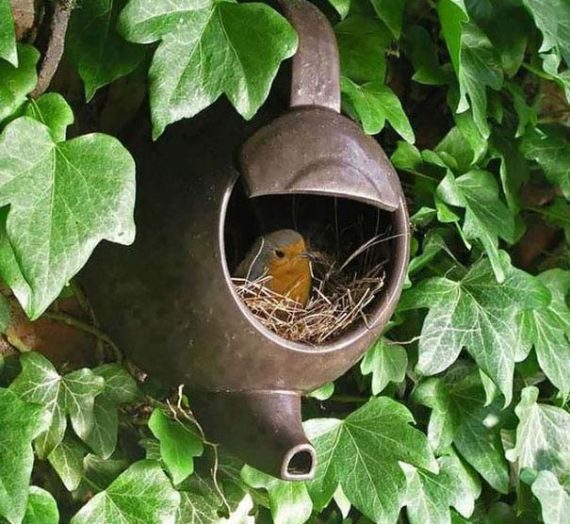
285,249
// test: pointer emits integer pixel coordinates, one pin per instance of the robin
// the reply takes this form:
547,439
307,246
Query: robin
283,256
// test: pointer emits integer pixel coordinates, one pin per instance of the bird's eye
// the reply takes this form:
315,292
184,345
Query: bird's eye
279,253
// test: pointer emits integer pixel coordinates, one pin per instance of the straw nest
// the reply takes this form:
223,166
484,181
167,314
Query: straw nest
341,294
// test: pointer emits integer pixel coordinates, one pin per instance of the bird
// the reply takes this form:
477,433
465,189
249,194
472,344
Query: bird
282,256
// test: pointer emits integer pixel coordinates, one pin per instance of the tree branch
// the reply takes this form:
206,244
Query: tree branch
55,46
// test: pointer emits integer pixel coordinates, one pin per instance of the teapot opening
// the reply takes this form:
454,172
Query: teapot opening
300,463
350,246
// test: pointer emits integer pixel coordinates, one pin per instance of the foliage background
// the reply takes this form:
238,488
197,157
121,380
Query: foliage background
459,413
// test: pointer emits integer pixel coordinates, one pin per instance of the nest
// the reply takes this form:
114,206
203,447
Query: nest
342,293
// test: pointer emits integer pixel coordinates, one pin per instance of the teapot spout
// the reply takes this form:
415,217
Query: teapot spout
263,428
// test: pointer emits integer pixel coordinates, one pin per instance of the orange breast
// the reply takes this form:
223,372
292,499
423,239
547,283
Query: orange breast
292,280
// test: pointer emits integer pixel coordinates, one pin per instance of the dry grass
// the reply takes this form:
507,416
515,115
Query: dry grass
341,294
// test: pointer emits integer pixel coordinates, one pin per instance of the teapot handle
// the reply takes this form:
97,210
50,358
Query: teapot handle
315,72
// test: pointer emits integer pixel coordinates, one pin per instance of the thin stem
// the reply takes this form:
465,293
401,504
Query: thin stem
84,326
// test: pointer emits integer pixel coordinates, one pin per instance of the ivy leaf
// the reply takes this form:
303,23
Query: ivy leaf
290,502
362,42
100,55
543,435
548,330
430,497
119,388
391,12
42,508
141,494
17,82
208,49
423,55
553,498
73,394
179,444
387,362
197,509
374,103
459,416
558,214
101,472
21,423
478,313
7,34
342,7
480,67
549,147
452,15
552,18
53,111
486,217
67,460
64,198
362,454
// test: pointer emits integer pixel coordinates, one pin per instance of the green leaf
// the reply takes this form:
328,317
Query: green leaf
391,12
42,508
21,423
64,198
141,494
208,49
324,392
509,39
290,502
550,148
486,217
459,416
98,52
119,388
17,82
53,111
552,17
196,508
67,460
422,53
456,145
513,169
7,34
5,314
362,42
543,435
452,15
558,214
387,362
342,7
548,330
430,496
179,444
362,454
73,394
102,472
374,103
553,498
480,68
475,313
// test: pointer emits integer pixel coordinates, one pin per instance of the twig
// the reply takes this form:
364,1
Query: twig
84,326
189,416
55,46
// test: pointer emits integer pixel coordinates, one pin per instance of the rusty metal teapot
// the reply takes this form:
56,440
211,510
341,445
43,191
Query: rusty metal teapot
168,300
